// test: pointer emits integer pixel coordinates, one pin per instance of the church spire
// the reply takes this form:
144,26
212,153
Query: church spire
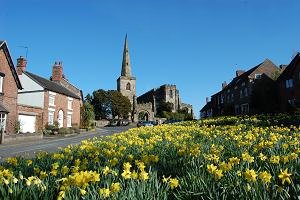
126,67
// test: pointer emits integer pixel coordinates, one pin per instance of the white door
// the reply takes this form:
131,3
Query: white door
60,118
27,123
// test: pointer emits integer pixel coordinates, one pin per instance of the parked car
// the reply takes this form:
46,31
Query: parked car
113,122
145,123
171,121
123,122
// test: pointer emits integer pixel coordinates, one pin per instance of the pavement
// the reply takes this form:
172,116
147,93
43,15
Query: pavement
51,144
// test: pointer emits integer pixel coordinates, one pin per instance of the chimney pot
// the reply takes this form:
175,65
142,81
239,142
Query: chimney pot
224,84
207,99
239,72
57,72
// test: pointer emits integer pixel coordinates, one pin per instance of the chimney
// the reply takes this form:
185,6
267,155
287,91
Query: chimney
239,72
57,72
224,84
207,99
21,65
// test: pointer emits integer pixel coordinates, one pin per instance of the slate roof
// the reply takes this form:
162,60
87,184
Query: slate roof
242,76
51,86
245,75
289,70
206,107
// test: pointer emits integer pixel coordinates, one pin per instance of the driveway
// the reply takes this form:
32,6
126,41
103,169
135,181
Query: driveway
51,144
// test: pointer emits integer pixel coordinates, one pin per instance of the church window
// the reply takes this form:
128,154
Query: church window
171,94
128,86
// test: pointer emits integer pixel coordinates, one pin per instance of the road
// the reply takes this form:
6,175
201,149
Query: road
51,144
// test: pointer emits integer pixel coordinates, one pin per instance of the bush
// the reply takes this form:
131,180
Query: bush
51,129
64,131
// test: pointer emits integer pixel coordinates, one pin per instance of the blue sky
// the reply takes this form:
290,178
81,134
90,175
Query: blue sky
195,44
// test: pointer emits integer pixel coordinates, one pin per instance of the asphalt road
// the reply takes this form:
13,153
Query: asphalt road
51,144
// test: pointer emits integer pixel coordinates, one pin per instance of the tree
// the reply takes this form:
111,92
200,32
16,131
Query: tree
88,98
87,115
120,105
110,104
100,101
164,107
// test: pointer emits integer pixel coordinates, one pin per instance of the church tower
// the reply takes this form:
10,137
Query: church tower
126,82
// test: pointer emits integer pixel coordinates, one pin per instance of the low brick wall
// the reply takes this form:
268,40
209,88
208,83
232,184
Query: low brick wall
101,123
14,138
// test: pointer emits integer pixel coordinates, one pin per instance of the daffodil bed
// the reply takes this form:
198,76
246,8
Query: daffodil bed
220,158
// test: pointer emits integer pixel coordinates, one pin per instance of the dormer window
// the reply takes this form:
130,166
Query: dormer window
128,86
257,76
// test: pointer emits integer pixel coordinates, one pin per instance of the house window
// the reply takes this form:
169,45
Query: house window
70,102
50,117
69,120
232,97
246,92
257,76
243,83
1,84
292,101
289,83
2,121
241,93
52,98
245,108
237,109
222,98
128,86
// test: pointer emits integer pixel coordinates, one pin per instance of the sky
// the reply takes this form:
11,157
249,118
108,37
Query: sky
194,44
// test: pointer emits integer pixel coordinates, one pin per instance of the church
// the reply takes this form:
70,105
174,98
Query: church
145,106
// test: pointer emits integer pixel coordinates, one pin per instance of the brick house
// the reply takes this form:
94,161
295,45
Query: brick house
289,86
238,97
9,85
44,101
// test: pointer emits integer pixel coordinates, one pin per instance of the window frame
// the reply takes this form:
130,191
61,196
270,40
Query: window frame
3,118
1,83
257,76
70,103
128,86
51,113
289,83
51,96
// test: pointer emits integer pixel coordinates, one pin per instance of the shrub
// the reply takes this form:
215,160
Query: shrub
64,131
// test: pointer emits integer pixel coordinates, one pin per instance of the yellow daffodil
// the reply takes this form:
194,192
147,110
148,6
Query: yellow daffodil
284,176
